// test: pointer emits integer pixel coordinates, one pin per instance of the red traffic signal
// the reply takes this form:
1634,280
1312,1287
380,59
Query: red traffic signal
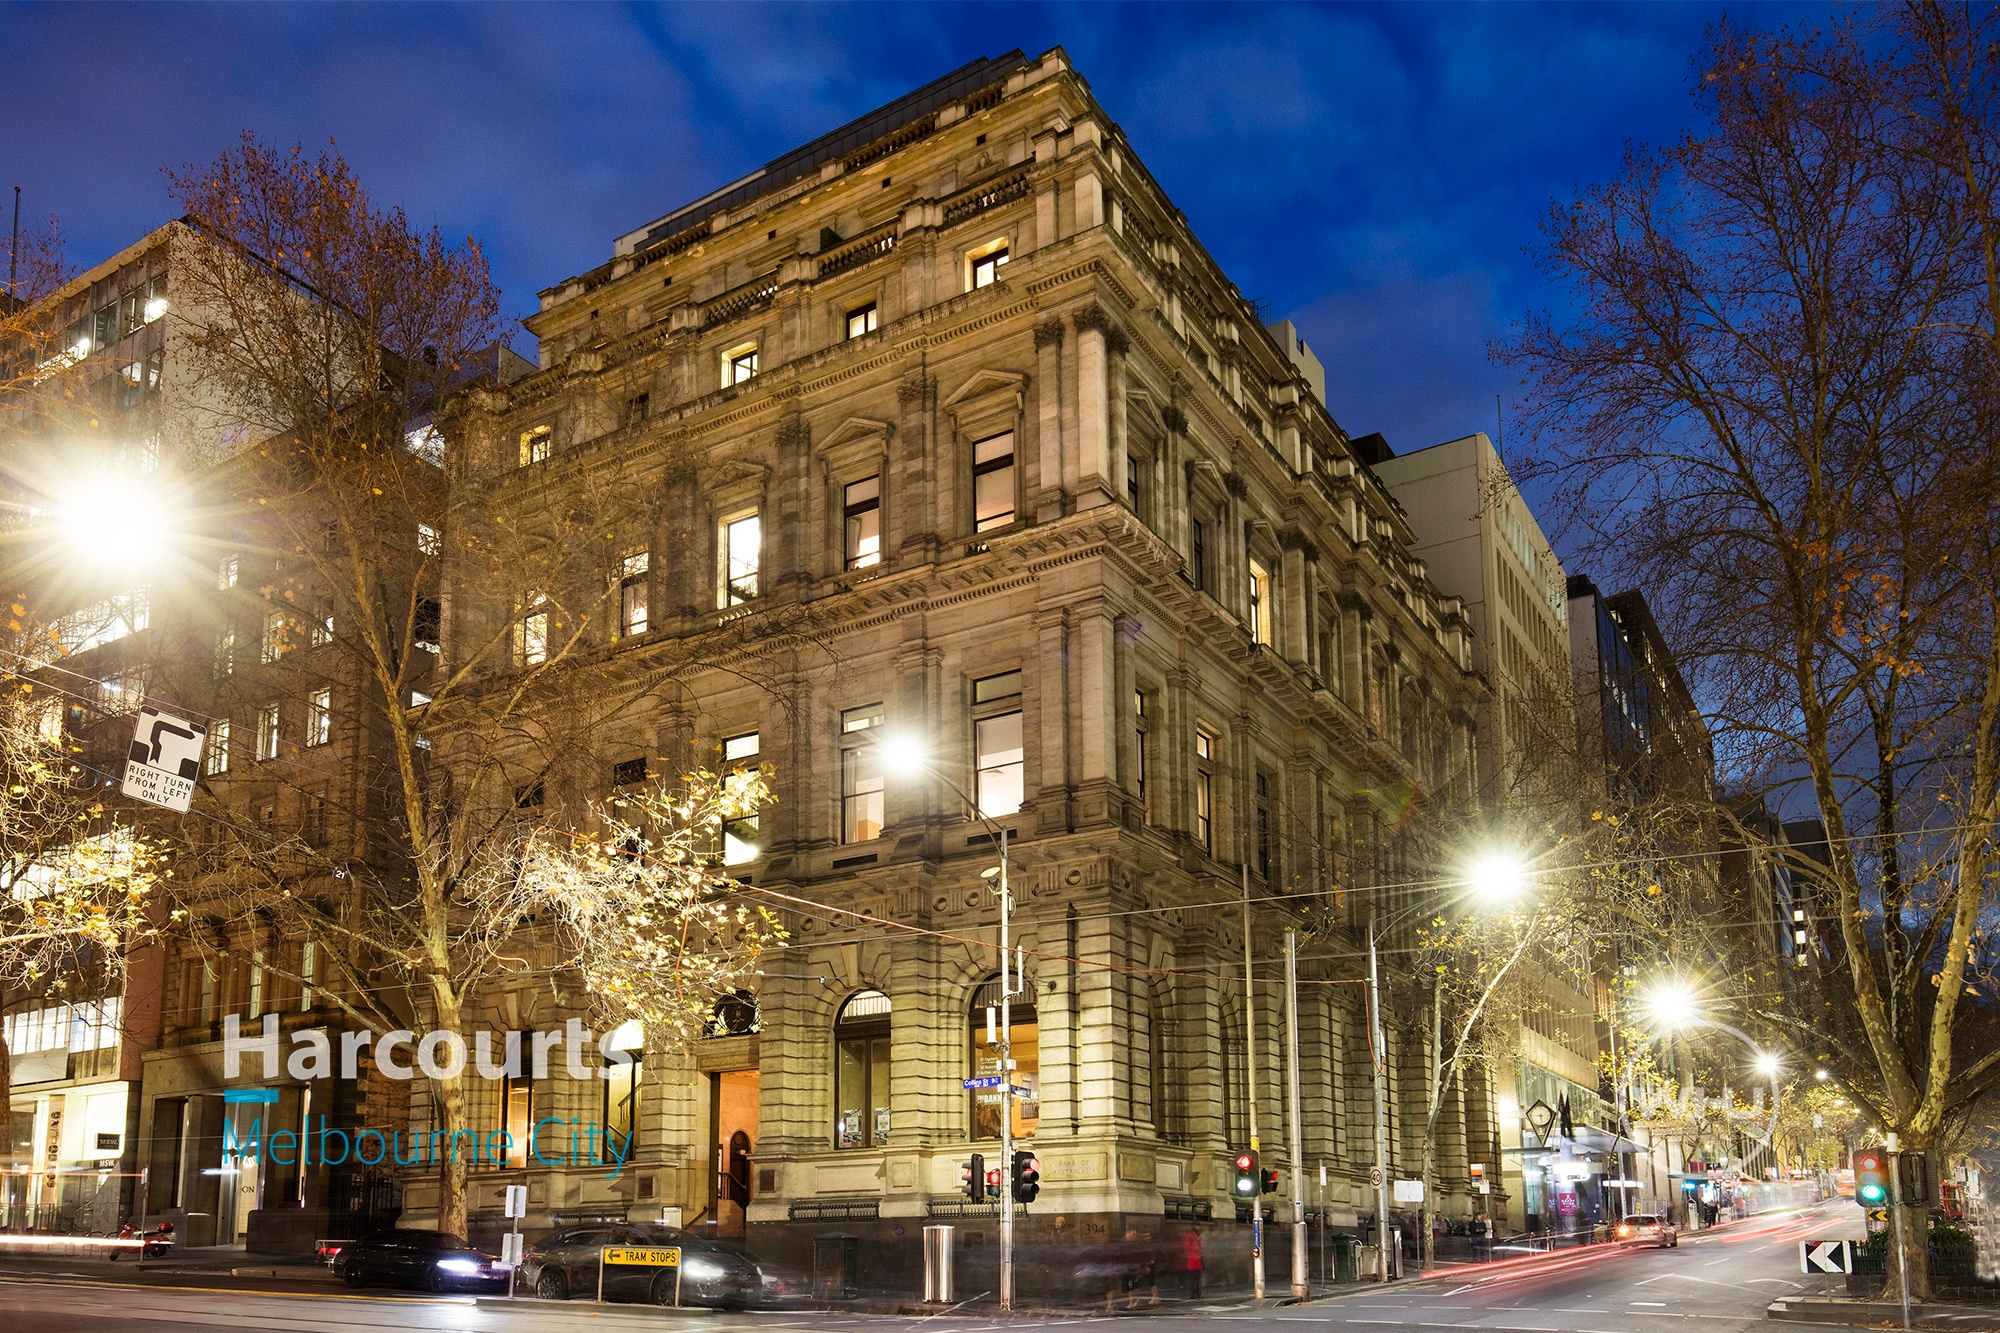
1246,1161
1247,1180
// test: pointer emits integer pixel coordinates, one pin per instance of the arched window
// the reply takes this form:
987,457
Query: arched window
985,1061
735,1016
861,1071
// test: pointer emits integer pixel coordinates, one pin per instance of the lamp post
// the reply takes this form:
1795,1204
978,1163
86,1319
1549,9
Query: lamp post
907,755
1496,878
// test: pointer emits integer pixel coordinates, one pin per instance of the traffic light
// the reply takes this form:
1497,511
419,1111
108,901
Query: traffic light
972,1178
1027,1176
1871,1178
1246,1175
1268,1177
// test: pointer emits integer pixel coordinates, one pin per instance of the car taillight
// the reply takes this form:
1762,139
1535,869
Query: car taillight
1624,1231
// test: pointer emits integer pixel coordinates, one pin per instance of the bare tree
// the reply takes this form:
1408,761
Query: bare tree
1772,407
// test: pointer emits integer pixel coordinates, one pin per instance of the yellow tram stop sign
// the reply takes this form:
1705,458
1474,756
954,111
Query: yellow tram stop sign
652,1257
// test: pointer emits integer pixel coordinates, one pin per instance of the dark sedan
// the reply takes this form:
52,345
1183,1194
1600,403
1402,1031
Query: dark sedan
427,1259
566,1263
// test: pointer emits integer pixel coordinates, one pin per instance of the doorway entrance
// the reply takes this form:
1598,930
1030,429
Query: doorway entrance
733,1112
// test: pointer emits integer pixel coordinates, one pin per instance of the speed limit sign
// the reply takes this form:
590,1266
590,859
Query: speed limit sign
1375,1177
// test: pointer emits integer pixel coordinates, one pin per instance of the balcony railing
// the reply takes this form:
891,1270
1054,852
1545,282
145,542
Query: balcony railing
853,254
742,300
971,203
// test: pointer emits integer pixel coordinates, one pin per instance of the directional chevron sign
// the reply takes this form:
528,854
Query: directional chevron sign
1826,1256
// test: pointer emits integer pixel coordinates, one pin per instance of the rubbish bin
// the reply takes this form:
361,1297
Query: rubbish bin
1395,1244
937,1264
1345,1268
836,1267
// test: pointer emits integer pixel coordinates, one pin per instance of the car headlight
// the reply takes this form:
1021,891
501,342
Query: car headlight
701,1270
462,1267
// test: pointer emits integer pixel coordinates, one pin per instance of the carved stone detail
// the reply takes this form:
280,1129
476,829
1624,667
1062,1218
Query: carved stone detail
912,390
792,433
1048,333
1174,419
1092,317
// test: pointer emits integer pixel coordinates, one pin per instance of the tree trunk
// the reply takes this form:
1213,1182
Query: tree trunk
1914,1223
449,1098
6,1100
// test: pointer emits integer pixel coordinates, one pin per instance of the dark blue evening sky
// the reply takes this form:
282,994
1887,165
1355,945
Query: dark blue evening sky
1375,173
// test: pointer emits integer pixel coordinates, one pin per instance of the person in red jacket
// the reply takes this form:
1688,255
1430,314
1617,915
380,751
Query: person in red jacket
1192,1245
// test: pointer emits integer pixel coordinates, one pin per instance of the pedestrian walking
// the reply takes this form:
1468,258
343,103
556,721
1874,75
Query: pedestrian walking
1191,1246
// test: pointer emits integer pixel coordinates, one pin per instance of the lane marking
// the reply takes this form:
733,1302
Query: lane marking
1659,1304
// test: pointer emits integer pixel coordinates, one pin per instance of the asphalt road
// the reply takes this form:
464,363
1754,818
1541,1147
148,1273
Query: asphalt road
1714,1283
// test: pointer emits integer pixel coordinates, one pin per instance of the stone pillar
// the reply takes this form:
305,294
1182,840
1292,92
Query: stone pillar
922,494
1053,772
1045,501
1293,623
1088,474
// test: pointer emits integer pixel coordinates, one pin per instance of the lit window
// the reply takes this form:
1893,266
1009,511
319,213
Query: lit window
322,627
739,835
536,445
986,267
861,505
517,1098
319,717
739,364
1204,789
267,732
132,311
1142,725
993,482
225,653
860,778
531,634
274,635
621,1091
225,574
427,539
742,549
1260,602
632,600
1023,1047
861,321
217,758
861,1071
996,726
156,299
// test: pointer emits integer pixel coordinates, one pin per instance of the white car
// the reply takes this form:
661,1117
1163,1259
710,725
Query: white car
1647,1229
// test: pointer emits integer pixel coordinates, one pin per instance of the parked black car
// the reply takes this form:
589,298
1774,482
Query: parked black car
564,1263
428,1259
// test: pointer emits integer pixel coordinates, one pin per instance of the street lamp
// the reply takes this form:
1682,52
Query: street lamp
906,755
1497,879
110,519
1671,1005
1768,1065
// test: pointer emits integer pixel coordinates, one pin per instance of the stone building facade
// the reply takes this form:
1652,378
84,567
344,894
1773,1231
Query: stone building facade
956,388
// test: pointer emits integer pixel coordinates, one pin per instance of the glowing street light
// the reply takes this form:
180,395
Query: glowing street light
1768,1064
111,520
903,754
1498,878
1670,1005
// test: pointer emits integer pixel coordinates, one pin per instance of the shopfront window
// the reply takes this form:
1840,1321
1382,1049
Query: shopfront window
861,1071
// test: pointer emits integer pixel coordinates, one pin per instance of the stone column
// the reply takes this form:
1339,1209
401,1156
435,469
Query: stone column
1053,772
921,495
1088,474
1045,501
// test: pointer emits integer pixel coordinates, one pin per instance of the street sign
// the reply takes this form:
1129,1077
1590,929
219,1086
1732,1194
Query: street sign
511,1250
989,1081
1409,1191
1826,1256
517,1201
165,759
1878,1214
1374,1177
652,1256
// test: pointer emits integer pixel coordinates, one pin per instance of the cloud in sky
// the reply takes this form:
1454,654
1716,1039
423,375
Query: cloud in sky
1376,173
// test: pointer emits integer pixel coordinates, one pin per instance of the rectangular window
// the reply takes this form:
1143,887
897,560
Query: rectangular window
860,777
861,507
308,968
313,826
267,732
1198,554
531,635
1263,849
742,551
1204,789
225,653
218,746
986,267
132,311
1260,602
637,408
537,444
156,298
274,635
621,1107
1142,724
225,574
861,321
993,482
634,605
103,331
739,364
322,626
739,835
1132,465
998,756
517,1099
427,625
319,717
427,539
629,772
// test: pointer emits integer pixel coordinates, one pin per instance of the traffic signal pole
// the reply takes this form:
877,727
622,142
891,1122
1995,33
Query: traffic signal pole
1006,1086
1894,1145
1250,1072
1299,1286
